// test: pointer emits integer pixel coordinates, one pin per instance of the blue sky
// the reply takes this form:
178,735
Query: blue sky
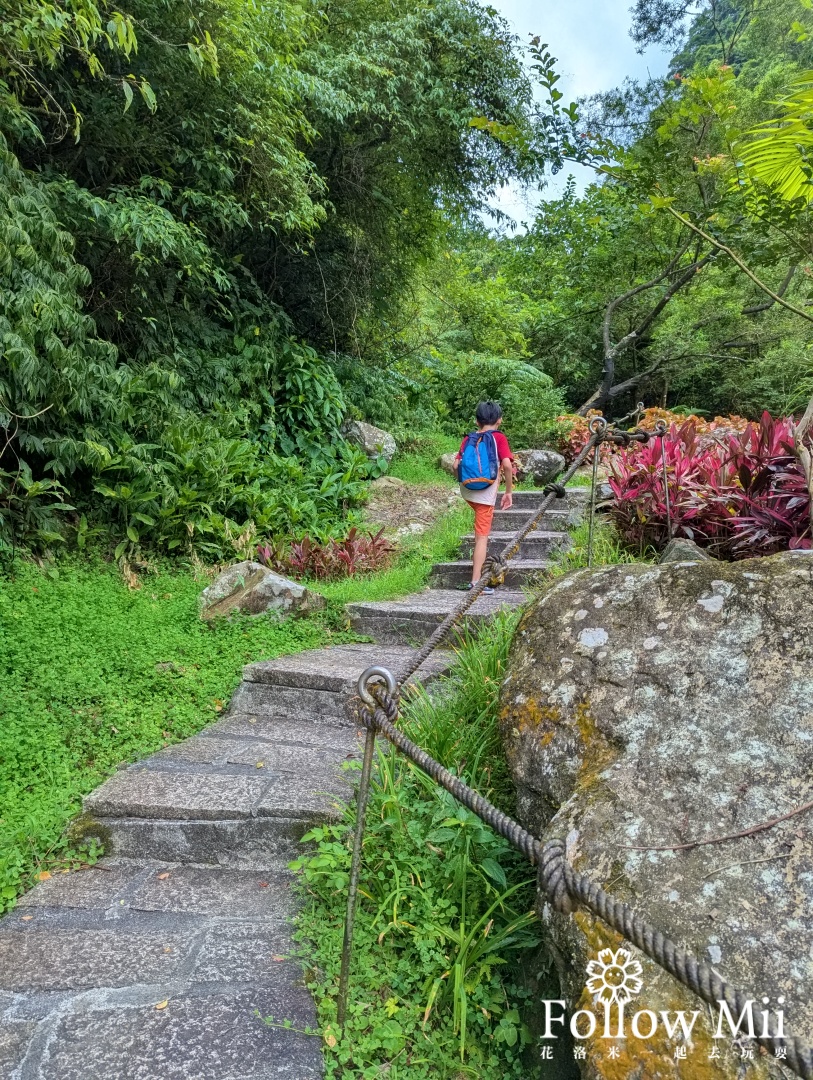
591,39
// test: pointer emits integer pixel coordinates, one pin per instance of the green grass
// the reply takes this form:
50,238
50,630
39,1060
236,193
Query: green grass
86,689
608,549
445,916
417,464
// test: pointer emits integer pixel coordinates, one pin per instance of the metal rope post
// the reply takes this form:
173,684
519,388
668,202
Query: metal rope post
660,429
355,863
598,425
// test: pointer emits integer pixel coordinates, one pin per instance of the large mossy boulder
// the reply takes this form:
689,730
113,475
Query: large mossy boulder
646,707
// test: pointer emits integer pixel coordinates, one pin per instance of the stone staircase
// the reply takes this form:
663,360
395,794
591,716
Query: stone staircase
411,621
158,963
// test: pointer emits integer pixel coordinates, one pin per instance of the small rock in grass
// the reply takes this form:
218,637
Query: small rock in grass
253,589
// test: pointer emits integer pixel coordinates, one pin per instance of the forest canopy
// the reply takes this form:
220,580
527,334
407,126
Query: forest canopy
226,227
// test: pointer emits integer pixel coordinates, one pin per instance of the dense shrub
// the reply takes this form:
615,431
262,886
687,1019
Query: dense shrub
527,395
742,494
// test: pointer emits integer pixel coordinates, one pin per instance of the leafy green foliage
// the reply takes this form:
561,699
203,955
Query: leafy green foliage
95,676
529,400
446,905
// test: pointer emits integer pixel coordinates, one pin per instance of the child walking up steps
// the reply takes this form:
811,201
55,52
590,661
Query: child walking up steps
484,457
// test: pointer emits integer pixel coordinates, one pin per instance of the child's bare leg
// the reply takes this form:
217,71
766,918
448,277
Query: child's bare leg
479,557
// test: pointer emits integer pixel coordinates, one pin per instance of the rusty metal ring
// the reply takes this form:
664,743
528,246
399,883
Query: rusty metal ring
379,673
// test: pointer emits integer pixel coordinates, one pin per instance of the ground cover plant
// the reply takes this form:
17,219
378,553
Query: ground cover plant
446,905
96,675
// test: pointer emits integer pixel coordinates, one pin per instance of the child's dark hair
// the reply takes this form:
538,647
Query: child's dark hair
488,413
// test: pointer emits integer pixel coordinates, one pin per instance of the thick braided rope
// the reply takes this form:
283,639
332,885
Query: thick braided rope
566,887
498,563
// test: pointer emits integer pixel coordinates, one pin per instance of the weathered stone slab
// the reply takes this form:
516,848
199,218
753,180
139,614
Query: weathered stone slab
336,669
282,731
258,954
98,887
140,792
311,795
211,1037
15,1036
42,957
288,759
318,706
208,891
253,843
519,573
196,751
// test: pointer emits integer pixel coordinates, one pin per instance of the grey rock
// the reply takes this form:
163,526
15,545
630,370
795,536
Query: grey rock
253,589
652,705
683,550
542,465
372,440
389,483
448,462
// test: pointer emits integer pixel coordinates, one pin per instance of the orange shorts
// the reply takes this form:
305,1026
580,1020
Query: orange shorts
483,515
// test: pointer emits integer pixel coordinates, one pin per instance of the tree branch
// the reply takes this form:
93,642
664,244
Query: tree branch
783,288
604,391
736,259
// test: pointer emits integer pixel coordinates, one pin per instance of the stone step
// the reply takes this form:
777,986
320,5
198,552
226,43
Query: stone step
509,521
412,620
130,970
245,790
453,575
535,546
525,498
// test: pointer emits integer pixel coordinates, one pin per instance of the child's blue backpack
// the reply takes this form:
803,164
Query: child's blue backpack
479,465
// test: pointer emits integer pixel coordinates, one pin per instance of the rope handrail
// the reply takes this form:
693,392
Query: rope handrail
565,887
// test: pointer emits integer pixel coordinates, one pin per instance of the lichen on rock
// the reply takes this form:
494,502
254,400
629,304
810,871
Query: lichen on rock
645,707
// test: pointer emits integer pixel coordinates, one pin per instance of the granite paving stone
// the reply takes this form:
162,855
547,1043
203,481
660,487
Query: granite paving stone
258,954
42,957
211,1037
14,1038
140,792
208,891
287,732
97,887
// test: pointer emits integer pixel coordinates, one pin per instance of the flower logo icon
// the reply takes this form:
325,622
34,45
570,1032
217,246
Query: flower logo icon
615,976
